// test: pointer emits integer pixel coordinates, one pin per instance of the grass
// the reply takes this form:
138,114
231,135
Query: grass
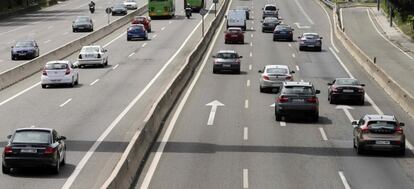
404,23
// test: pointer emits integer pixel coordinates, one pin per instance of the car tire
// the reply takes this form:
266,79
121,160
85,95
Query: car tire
5,170
353,143
72,84
43,86
55,169
300,48
361,102
315,118
262,90
278,117
359,149
291,39
106,63
238,71
77,80
13,58
331,100
128,39
73,30
242,42
215,71
274,39
319,49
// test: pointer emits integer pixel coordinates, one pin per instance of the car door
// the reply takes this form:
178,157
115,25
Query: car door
58,142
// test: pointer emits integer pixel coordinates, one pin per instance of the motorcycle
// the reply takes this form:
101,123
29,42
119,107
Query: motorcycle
188,11
92,8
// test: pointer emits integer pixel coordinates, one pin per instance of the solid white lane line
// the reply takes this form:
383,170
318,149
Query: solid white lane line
93,83
123,33
250,67
143,45
246,104
324,137
170,127
290,45
344,181
297,68
251,28
163,28
18,94
153,37
386,39
293,55
115,66
245,178
304,13
47,41
330,26
67,101
282,124
251,54
246,133
132,54
248,83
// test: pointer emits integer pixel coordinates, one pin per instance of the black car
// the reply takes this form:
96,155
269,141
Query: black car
346,89
34,147
119,9
297,99
284,32
27,49
82,23
269,24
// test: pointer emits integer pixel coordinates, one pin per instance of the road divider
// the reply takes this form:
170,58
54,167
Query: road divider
139,147
27,69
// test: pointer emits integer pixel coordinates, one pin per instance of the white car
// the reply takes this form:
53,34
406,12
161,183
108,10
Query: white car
273,76
130,4
59,72
92,55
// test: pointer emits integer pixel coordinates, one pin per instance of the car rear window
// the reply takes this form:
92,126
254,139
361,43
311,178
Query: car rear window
297,90
227,55
56,66
347,82
281,71
90,50
270,8
382,124
136,28
31,136
82,19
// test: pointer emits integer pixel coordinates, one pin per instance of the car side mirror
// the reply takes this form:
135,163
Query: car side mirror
299,37
363,85
240,56
293,29
292,72
9,136
214,56
62,138
354,123
317,91
321,37
402,124
260,71
329,84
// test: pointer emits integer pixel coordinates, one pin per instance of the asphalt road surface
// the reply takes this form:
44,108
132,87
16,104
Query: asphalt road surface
246,148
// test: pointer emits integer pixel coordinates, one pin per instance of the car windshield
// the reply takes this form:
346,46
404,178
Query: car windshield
135,28
298,90
270,20
347,82
31,136
82,19
270,8
90,50
56,66
311,36
24,44
227,55
281,71
382,124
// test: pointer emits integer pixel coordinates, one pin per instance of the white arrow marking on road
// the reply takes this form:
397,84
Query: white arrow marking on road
301,27
214,104
346,110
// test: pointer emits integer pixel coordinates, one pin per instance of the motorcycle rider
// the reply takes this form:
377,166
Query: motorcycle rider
92,7
188,10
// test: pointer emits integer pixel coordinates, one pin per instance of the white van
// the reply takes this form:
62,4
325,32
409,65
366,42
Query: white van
236,18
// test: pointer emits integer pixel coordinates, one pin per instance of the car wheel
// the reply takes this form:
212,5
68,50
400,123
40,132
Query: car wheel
278,117
353,141
242,42
238,71
359,149
315,118
225,42
106,63
331,100
319,49
401,151
56,168
72,84
43,86
262,90
291,39
5,170
300,48
361,102
73,30
13,58
274,39
215,71
128,39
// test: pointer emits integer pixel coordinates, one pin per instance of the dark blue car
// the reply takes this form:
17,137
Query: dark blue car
137,31
27,49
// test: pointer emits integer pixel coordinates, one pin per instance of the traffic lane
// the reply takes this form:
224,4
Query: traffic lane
391,59
83,112
49,33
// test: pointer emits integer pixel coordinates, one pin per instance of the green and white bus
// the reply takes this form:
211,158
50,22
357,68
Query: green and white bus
161,8
196,5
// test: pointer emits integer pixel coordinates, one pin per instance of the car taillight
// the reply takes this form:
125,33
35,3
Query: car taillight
80,56
282,99
312,100
8,150
302,41
99,55
265,77
360,90
365,129
67,71
49,150
334,89
290,78
399,130
44,72
238,61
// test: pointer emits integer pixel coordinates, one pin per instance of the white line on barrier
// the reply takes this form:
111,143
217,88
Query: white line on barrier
132,54
66,102
245,178
94,82
344,181
115,66
331,27
171,125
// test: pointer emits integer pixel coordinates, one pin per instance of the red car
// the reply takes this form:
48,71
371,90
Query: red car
146,21
234,35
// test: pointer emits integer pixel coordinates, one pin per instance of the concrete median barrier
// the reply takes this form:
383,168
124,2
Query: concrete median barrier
396,91
139,147
20,72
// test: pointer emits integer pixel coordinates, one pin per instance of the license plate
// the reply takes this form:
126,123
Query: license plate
28,150
382,142
22,54
90,56
283,32
298,100
81,28
348,91
233,35
226,65
55,80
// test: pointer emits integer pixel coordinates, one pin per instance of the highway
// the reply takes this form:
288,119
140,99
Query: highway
99,116
246,148
50,27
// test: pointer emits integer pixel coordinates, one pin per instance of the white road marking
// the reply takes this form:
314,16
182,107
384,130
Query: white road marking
180,107
250,67
33,126
245,178
214,104
94,82
115,66
251,54
143,45
248,83
304,13
251,44
409,145
153,37
293,55
245,133
251,35
344,181
163,28
251,28
169,22
132,54
246,104
386,39
297,68
346,111
324,137
47,41
67,101
282,124
20,93
290,45
252,22
300,26
330,26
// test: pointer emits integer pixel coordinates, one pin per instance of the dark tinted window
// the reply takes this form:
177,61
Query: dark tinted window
24,44
227,55
56,66
347,82
31,136
281,71
270,8
382,124
297,90
82,19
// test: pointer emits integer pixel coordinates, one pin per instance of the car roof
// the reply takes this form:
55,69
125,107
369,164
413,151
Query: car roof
87,46
297,83
270,5
378,117
310,33
34,129
58,61
135,25
277,66
343,78
226,51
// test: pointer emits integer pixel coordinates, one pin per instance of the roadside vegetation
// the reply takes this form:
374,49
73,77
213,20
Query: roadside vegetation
403,14
7,6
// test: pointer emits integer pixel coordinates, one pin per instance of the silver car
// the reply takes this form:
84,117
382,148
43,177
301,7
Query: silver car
273,76
92,56
82,23
310,41
60,72
226,60
270,10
